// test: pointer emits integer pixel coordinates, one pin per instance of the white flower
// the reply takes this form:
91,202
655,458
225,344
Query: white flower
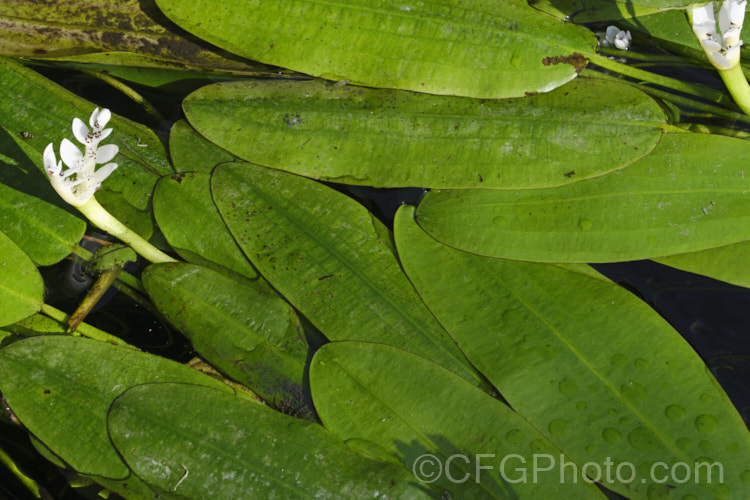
617,37
80,180
722,46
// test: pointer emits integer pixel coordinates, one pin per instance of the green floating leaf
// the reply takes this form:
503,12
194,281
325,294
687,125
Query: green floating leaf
191,152
44,232
196,442
31,223
727,263
21,285
38,111
595,369
61,387
186,214
67,30
253,337
391,138
483,48
331,259
683,197
415,409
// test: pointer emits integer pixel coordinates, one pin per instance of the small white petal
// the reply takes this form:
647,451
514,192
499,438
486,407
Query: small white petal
106,153
704,17
70,154
92,118
622,40
733,54
710,45
99,118
80,130
719,60
612,32
104,172
104,133
732,13
49,160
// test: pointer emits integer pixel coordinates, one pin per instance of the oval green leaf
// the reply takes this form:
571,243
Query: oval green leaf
390,138
195,442
21,285
186,214
415,409
689,194
480,48
253,337
331,259
595,369
191,152
61,387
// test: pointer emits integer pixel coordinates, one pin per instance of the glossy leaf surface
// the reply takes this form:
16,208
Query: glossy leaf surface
594,368
480,48
414,409
197,442
21,285
389,138
683,197
253,337
186,214
331,259
61,387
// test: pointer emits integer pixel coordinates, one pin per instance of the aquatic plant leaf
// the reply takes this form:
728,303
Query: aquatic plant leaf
331,259
392,138
21,285
253,337
186,214
480,48
683,197
130,32
589,365
60,388
413,408
191,152
722,263
197,442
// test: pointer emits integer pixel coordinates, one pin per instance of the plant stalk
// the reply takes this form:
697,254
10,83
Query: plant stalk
106,221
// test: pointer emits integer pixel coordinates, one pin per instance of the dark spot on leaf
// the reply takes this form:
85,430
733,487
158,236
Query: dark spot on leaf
575,59
47,391
570,174
529,94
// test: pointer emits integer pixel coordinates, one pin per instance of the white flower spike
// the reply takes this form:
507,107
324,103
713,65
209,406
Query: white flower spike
78,183
722,46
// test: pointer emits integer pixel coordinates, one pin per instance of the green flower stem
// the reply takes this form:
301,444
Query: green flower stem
29,483
128,91
708,109
737,85
83,329
664,81
104,220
